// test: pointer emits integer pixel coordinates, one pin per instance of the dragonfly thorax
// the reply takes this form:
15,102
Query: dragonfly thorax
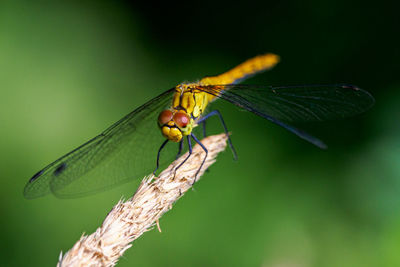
175,124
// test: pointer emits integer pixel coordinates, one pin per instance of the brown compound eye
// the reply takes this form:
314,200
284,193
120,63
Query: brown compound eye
181,119
165,116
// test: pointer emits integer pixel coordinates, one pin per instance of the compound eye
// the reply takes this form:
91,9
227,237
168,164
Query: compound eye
181,119
165,116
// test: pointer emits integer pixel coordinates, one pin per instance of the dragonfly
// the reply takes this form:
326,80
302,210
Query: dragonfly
133,146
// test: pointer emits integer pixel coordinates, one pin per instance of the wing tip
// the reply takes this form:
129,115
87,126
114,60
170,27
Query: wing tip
358,89
28,193
350,86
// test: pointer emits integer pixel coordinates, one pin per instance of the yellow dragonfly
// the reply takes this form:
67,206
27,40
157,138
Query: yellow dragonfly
131,148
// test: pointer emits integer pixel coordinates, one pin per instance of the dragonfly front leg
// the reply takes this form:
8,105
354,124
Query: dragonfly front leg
203,122
190,153
158,156
180,149
213,113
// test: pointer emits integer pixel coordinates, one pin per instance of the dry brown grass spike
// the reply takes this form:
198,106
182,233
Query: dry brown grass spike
128,220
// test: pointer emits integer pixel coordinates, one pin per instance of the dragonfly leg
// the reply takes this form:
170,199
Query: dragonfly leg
213,113
190,153
180,149
204,160
204,128
158,156
204,133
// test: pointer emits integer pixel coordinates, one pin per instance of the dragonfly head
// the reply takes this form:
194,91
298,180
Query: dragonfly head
175,124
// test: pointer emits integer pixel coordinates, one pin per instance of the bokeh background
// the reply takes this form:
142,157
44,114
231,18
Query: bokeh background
69,69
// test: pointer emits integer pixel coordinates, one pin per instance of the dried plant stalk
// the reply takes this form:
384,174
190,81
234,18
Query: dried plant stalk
129,220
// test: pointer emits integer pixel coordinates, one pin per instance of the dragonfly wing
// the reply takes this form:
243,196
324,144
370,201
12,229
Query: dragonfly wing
300,103
125,151
296,103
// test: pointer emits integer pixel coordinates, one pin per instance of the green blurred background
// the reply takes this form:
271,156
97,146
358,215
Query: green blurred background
69,69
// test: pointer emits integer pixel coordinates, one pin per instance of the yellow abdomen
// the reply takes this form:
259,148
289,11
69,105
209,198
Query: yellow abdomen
243,71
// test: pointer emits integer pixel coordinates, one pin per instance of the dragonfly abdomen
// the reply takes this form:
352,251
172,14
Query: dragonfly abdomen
243,71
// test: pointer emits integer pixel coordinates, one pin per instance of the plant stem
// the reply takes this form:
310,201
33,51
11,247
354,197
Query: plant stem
128,220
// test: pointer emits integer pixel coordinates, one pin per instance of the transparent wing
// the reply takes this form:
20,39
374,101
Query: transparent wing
125,151
296,103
